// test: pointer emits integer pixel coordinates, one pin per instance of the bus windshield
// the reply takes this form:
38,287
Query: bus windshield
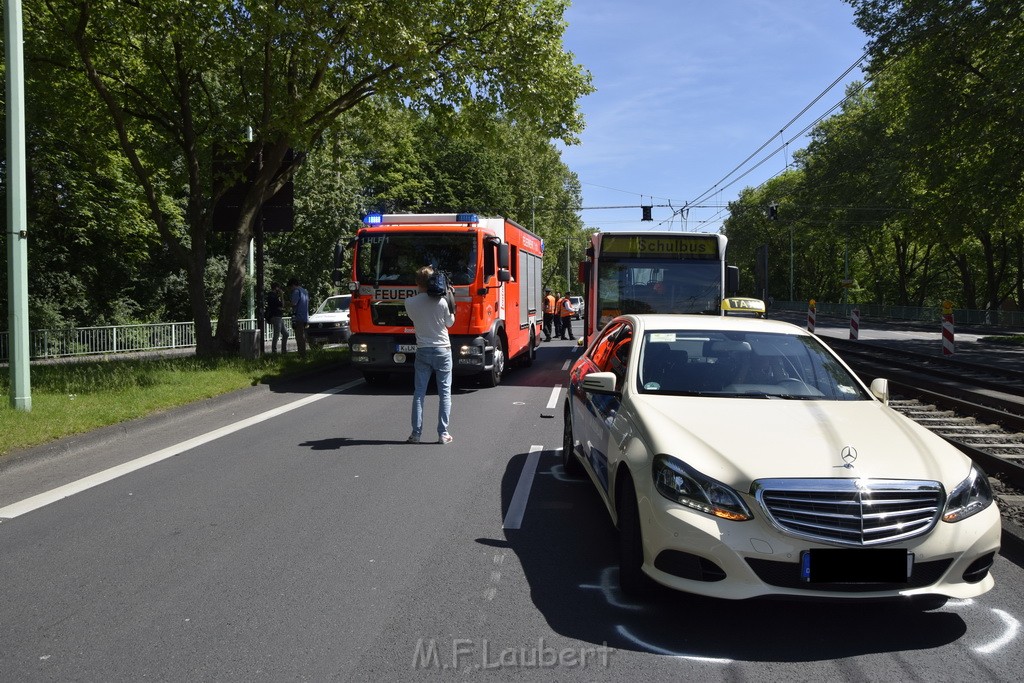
394,258
645,285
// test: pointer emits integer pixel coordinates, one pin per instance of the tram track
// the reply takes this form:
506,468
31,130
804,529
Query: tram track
977,408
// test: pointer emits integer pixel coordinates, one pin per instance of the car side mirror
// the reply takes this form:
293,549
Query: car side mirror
600,383
880,389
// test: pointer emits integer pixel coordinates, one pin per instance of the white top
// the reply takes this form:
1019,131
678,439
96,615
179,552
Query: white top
431,318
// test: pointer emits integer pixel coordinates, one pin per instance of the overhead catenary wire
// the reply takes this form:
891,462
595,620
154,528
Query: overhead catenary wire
718,187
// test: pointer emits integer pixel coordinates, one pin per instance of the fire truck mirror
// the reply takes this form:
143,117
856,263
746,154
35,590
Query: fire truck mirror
503,258
504,275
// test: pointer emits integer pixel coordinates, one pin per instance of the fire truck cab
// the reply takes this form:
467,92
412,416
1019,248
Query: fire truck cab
494,266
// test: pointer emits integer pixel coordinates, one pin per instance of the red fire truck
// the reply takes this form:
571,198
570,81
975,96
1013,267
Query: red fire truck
494,265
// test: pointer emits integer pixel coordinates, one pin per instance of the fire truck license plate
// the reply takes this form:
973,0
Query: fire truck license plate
405,348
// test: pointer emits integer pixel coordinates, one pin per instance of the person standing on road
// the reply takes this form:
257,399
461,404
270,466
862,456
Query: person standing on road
299,298
556,318
566,311
549,313
275,317
431,317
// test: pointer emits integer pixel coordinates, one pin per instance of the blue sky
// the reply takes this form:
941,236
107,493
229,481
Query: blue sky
688,89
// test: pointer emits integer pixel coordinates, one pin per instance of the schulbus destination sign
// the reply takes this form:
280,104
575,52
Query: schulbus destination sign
671,246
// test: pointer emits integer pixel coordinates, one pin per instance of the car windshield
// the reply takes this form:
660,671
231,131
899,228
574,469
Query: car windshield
334,304
743,364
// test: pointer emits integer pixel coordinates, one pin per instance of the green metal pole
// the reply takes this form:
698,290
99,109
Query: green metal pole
17,222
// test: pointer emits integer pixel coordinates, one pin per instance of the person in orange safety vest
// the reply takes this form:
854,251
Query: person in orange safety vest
566,311
549,313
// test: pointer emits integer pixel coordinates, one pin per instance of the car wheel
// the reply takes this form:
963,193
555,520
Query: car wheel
570,463
632,579
493,377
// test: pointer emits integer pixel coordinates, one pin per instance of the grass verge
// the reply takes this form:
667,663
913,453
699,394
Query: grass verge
71,398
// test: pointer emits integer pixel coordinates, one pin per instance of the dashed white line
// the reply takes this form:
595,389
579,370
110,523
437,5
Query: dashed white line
517,508
61,492
553,400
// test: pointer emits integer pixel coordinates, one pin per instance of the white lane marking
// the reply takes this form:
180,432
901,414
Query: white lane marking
565,366
517,508
553,401
52,496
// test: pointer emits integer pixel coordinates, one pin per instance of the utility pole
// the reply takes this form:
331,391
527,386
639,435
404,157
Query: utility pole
17,213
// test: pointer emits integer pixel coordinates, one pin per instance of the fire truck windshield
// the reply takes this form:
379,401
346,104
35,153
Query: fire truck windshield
394,258
628,285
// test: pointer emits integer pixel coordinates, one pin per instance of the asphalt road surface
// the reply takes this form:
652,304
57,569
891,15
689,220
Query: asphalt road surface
289,533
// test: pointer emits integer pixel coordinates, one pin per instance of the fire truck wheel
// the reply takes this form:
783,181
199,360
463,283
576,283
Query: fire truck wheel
531,352
570,464
493,378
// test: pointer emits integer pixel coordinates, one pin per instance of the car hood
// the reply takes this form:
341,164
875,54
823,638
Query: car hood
740,440
335,317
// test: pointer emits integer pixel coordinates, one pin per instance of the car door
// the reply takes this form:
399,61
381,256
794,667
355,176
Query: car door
610,353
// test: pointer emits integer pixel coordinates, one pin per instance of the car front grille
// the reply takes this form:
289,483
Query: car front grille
853,512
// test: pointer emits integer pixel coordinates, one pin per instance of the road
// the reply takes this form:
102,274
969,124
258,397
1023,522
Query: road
293,535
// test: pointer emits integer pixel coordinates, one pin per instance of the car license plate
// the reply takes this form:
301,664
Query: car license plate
856,565
405,348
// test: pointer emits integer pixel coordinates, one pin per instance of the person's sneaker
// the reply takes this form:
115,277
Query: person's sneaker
413,438
445,438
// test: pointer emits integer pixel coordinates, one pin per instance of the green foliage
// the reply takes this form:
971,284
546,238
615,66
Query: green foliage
915,187
176,84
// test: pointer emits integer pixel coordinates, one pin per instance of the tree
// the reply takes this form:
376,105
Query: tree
182,82
963,125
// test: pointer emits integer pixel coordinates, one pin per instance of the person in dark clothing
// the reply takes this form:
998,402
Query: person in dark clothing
299,298
275,317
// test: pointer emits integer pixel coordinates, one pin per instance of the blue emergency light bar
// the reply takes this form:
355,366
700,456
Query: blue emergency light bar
466,218
373,219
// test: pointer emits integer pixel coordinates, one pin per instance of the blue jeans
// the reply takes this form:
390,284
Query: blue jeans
280,332
436,360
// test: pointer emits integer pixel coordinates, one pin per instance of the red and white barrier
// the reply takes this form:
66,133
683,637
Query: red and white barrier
810,316
948,343
855,323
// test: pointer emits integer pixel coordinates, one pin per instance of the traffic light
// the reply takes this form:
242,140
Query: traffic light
773,212
646,213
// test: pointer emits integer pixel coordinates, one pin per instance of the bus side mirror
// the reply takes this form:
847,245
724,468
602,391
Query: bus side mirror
732,279
503,257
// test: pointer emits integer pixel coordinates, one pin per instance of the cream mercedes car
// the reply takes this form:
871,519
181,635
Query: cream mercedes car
740,457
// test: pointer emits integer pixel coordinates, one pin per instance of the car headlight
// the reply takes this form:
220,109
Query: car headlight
969,497
682,484
360,348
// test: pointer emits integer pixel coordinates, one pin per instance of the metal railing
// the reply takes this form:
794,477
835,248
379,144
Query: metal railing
113,339
930,314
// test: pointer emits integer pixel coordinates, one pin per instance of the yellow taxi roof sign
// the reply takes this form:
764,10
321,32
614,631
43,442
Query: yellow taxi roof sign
743,305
